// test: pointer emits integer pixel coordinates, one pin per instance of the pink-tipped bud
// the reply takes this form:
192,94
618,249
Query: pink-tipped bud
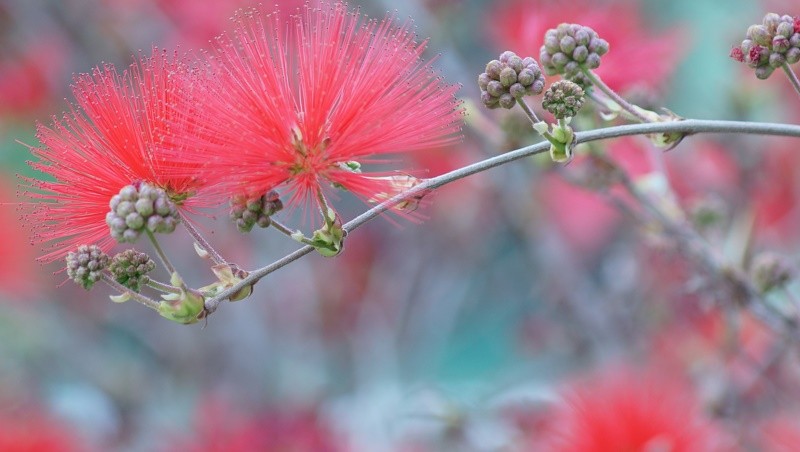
247,212
86,265
509,78
737,54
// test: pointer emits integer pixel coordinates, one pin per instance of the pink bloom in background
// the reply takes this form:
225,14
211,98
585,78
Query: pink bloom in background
629,410
571,208
292,104
27,74
33,432
638,57
220,429
115,136
18,270
781,434
187,22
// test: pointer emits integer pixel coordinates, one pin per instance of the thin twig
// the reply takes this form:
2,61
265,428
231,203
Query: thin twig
627,106
150,303
528,111
163,287
282,228
792,77
164,259
198,237
688,126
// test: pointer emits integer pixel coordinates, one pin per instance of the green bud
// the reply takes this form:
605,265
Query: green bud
186,307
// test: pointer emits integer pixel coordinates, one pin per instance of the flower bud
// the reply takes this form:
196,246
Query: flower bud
776,60
493,69
759,35
763,72
130,268
771,21
793,55
248,212
85,266
509,78
780,44
139,207
785,29
563,99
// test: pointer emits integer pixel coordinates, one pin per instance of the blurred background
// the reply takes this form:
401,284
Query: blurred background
526,309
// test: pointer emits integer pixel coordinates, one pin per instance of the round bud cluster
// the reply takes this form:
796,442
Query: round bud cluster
569,48
85,266
510,78
563,99
130,268
770,45
247,212
135,209
770,271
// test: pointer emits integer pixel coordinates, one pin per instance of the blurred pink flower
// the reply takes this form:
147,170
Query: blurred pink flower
631,410
776,194
219,429
26,74
780,434
18,270
33,432
583,217
638,57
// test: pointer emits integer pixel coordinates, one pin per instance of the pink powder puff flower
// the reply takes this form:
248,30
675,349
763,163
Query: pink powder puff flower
631,410
116,135
300,106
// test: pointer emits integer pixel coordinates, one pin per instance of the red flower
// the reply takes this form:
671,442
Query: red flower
295,104
219,429
27,73
781,434
631,411
32,432
737,54
115,136
18,271
637,57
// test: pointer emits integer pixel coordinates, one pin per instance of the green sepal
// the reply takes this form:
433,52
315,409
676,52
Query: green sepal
562,145
121,298
329,240
227,278
185,307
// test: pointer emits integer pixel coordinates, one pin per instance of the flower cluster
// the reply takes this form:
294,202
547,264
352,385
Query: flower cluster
335,91
571,48
138,209
563,99
85,266
509,78
247,212
770,45
123,130
130,268
166,136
